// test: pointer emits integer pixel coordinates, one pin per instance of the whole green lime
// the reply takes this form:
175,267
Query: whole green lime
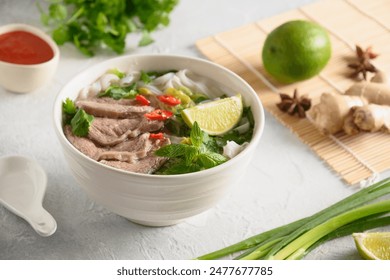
296,50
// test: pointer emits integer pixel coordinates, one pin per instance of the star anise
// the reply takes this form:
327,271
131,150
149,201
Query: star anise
363,63
294,105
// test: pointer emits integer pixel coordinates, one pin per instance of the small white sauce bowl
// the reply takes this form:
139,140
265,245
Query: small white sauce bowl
158,200
23,78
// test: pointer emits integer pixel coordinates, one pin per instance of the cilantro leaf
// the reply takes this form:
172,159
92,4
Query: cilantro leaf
235,136
69,107
145,77
61,35
81,122
146,39
117,92
249,115
117,72
153,13
93,25
78,119
69,110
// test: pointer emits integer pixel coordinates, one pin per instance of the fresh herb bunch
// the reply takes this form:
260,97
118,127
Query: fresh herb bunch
90,24
197,153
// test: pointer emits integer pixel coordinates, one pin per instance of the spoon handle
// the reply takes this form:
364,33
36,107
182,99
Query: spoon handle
42,222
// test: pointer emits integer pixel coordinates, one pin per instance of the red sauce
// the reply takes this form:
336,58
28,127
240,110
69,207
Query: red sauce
21,47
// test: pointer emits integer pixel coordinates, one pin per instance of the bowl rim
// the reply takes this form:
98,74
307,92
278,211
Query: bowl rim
258,130
37,32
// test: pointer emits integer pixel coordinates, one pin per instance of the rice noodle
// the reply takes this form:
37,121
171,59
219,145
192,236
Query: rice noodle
231,149
107,80
185,78
181,78
129,79
90,91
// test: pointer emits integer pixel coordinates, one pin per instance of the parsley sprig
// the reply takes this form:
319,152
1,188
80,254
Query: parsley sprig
195,155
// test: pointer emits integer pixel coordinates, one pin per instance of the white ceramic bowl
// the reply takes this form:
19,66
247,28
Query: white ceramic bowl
25,78
158,200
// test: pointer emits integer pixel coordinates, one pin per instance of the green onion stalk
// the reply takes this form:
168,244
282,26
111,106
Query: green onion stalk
296,239
299,246
357,226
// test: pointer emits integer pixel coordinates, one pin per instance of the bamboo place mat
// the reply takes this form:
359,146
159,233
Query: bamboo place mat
356,159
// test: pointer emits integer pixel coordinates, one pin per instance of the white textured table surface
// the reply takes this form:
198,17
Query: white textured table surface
284,182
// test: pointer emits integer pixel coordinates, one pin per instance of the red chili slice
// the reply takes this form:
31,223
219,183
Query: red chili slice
159,115
142,100
159,135
169,100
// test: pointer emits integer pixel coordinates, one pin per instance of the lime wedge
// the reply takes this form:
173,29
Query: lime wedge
215,117
373,245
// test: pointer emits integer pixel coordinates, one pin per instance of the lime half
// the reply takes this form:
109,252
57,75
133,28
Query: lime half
373,245
215,117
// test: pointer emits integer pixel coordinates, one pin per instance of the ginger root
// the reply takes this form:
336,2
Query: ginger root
380,77
373,92
330,113
372,117
365,106
350,126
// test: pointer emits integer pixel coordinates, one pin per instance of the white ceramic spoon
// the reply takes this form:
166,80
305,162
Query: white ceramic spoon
22,187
